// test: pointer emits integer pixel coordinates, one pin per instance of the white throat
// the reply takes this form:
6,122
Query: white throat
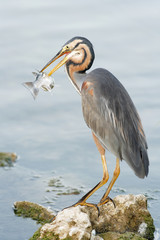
78,79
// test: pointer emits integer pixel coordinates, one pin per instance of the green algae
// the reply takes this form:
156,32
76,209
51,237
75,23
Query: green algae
71,191
7,159
34,211
36,235
48,236
105,236
150,227
121,236
56,185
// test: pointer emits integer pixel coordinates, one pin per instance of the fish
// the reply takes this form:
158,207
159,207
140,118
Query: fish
42,81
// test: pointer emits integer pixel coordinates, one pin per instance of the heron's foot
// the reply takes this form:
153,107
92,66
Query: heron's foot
83,203
104,201
80,203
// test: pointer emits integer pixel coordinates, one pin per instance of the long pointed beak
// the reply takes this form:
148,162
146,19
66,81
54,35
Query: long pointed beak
58,55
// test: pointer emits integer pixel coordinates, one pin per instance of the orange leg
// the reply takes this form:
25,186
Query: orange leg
105,178
116,173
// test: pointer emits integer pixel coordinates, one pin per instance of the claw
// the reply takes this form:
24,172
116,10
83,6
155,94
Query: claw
112,202
98,210
107,200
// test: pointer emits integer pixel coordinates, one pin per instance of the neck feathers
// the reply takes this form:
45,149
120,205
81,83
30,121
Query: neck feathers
77,66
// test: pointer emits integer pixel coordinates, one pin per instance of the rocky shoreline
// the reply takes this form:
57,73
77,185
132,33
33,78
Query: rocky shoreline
130,219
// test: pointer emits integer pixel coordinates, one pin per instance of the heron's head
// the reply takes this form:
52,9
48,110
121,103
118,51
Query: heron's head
79,56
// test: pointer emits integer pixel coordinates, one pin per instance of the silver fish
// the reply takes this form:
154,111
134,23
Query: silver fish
42,81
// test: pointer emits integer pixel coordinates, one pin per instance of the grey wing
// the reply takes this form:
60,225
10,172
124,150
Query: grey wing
110,113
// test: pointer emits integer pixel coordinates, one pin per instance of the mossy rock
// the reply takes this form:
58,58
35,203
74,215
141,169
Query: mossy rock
36,235
7,159
143,231
48,236
121,236
150,227
34,211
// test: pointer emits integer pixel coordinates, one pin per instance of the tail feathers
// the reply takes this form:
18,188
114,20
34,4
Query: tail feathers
34,90
141,167
139,162
145,160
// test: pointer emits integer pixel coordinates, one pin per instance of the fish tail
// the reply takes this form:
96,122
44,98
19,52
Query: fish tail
34,90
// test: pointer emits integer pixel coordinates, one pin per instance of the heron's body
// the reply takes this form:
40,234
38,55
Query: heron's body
114,120
108,111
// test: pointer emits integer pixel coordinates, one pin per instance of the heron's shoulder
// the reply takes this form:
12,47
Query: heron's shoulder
102,77
105,83
101,70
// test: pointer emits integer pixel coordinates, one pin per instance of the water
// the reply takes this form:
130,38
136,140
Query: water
49,134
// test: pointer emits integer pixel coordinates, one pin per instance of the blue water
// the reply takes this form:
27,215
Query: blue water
49,135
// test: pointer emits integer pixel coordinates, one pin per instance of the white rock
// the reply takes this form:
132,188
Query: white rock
94,237
73,222
142,229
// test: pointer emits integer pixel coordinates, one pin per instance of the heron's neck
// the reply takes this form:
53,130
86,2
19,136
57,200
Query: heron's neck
76,79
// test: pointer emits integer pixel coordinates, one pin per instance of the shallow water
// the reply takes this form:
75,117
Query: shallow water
49,134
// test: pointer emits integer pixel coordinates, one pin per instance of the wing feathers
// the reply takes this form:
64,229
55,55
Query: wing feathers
112,116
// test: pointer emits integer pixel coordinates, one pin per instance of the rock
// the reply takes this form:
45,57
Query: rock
7,159
130,214
73,223
94,236
130,219
34,211
121,236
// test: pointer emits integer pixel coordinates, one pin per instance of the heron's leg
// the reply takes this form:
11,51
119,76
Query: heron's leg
116,173
105,178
